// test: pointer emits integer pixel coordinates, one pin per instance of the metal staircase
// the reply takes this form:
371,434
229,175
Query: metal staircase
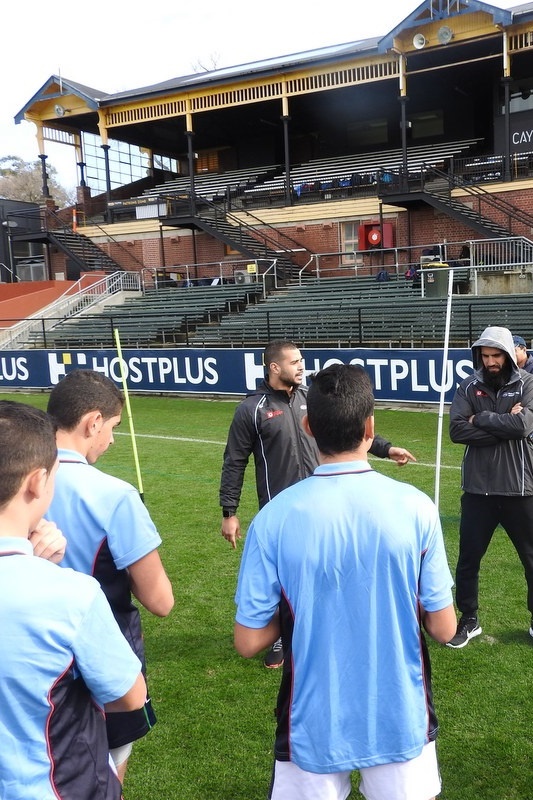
484,212
82,251
260,241
48,227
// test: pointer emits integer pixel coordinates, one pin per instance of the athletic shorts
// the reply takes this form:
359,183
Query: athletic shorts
416,779
121,754
124,727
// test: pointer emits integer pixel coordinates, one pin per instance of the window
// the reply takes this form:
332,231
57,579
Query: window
350,242
427,124
367,133
127,163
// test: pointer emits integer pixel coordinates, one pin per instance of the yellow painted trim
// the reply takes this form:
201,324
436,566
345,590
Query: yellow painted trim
465,27
521,38
320,212
354,72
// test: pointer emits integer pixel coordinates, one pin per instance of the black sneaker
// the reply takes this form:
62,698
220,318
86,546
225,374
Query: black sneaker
467,628
274,657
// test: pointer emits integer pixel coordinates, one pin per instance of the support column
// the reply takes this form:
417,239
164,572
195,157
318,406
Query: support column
109,214
288,193
506,129
82,165
404,125
45,189
506,81
190,154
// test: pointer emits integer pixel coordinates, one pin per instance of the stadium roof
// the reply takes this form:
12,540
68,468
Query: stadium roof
427,11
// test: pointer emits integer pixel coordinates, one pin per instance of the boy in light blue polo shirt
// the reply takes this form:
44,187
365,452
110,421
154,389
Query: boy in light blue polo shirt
356,563
110,533
63,657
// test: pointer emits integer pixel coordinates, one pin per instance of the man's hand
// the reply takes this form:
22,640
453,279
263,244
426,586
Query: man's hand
400,455
48,542
231,530
517,408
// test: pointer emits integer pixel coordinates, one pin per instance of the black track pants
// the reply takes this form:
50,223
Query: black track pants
480,515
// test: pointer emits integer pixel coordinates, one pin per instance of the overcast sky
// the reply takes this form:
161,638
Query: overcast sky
112,45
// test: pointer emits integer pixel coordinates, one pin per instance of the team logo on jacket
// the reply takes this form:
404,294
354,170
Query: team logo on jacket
480,393
271,414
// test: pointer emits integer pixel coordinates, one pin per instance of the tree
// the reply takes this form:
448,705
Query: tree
22,180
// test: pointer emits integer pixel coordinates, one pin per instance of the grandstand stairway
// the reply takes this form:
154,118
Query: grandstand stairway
79,249
261,242
82,251
434,188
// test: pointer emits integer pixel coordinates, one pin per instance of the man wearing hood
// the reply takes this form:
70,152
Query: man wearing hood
268,424
492,414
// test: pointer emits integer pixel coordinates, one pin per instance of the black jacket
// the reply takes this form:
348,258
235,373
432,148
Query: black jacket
268,423
498,458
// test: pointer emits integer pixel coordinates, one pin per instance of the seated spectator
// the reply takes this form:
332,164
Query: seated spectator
412,274
523,359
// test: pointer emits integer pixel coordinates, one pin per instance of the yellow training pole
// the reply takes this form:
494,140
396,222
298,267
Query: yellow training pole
130,416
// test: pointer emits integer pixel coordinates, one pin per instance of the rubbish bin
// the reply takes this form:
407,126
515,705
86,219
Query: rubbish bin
435,279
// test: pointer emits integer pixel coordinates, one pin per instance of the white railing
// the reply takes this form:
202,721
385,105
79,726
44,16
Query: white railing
77,298
497,254
259,269
482,255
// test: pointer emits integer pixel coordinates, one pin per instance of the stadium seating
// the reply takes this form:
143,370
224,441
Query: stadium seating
370,315
333,175
158,317
330,312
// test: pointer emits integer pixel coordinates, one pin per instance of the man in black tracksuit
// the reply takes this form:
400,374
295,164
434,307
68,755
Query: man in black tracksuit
492,414
268,424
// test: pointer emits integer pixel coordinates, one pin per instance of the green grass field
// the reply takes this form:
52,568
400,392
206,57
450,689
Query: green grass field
215,732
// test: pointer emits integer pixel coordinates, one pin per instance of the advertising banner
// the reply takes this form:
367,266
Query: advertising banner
398,375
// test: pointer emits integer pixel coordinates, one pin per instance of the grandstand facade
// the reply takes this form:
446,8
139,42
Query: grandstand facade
350,160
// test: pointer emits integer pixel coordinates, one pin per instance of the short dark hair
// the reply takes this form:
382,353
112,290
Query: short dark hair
27,442
274,351
80,392
339,401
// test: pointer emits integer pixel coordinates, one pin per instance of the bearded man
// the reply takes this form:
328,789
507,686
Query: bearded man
492,414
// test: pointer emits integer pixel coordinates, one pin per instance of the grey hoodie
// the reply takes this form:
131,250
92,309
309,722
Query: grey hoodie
498,458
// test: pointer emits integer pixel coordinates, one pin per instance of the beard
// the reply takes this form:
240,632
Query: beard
497,380
289,382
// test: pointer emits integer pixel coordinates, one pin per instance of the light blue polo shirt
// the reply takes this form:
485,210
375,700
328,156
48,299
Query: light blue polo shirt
348,554
91,507
55,627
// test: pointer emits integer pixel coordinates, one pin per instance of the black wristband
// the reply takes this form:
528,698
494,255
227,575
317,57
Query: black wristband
228,512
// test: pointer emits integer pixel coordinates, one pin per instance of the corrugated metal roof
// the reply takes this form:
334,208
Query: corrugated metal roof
265,66
96,98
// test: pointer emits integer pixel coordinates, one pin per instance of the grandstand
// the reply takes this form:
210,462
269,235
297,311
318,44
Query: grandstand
327,312
358,153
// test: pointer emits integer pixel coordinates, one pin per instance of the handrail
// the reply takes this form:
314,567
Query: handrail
46,214
280,233
131,256
74,300
268,242
224,270
13,275
394,181
475,190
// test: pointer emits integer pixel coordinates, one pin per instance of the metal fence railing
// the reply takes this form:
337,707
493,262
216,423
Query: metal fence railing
76,299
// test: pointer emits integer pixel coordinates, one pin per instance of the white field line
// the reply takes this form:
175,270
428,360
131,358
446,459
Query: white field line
223,444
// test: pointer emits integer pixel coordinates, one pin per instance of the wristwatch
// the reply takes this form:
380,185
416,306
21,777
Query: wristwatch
228,512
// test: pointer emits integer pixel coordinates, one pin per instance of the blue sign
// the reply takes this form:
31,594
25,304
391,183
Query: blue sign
404,376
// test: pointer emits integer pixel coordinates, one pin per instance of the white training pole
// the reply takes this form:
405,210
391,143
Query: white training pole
130,416
443,386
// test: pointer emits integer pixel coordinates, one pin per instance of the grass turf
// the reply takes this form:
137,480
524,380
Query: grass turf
213,740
